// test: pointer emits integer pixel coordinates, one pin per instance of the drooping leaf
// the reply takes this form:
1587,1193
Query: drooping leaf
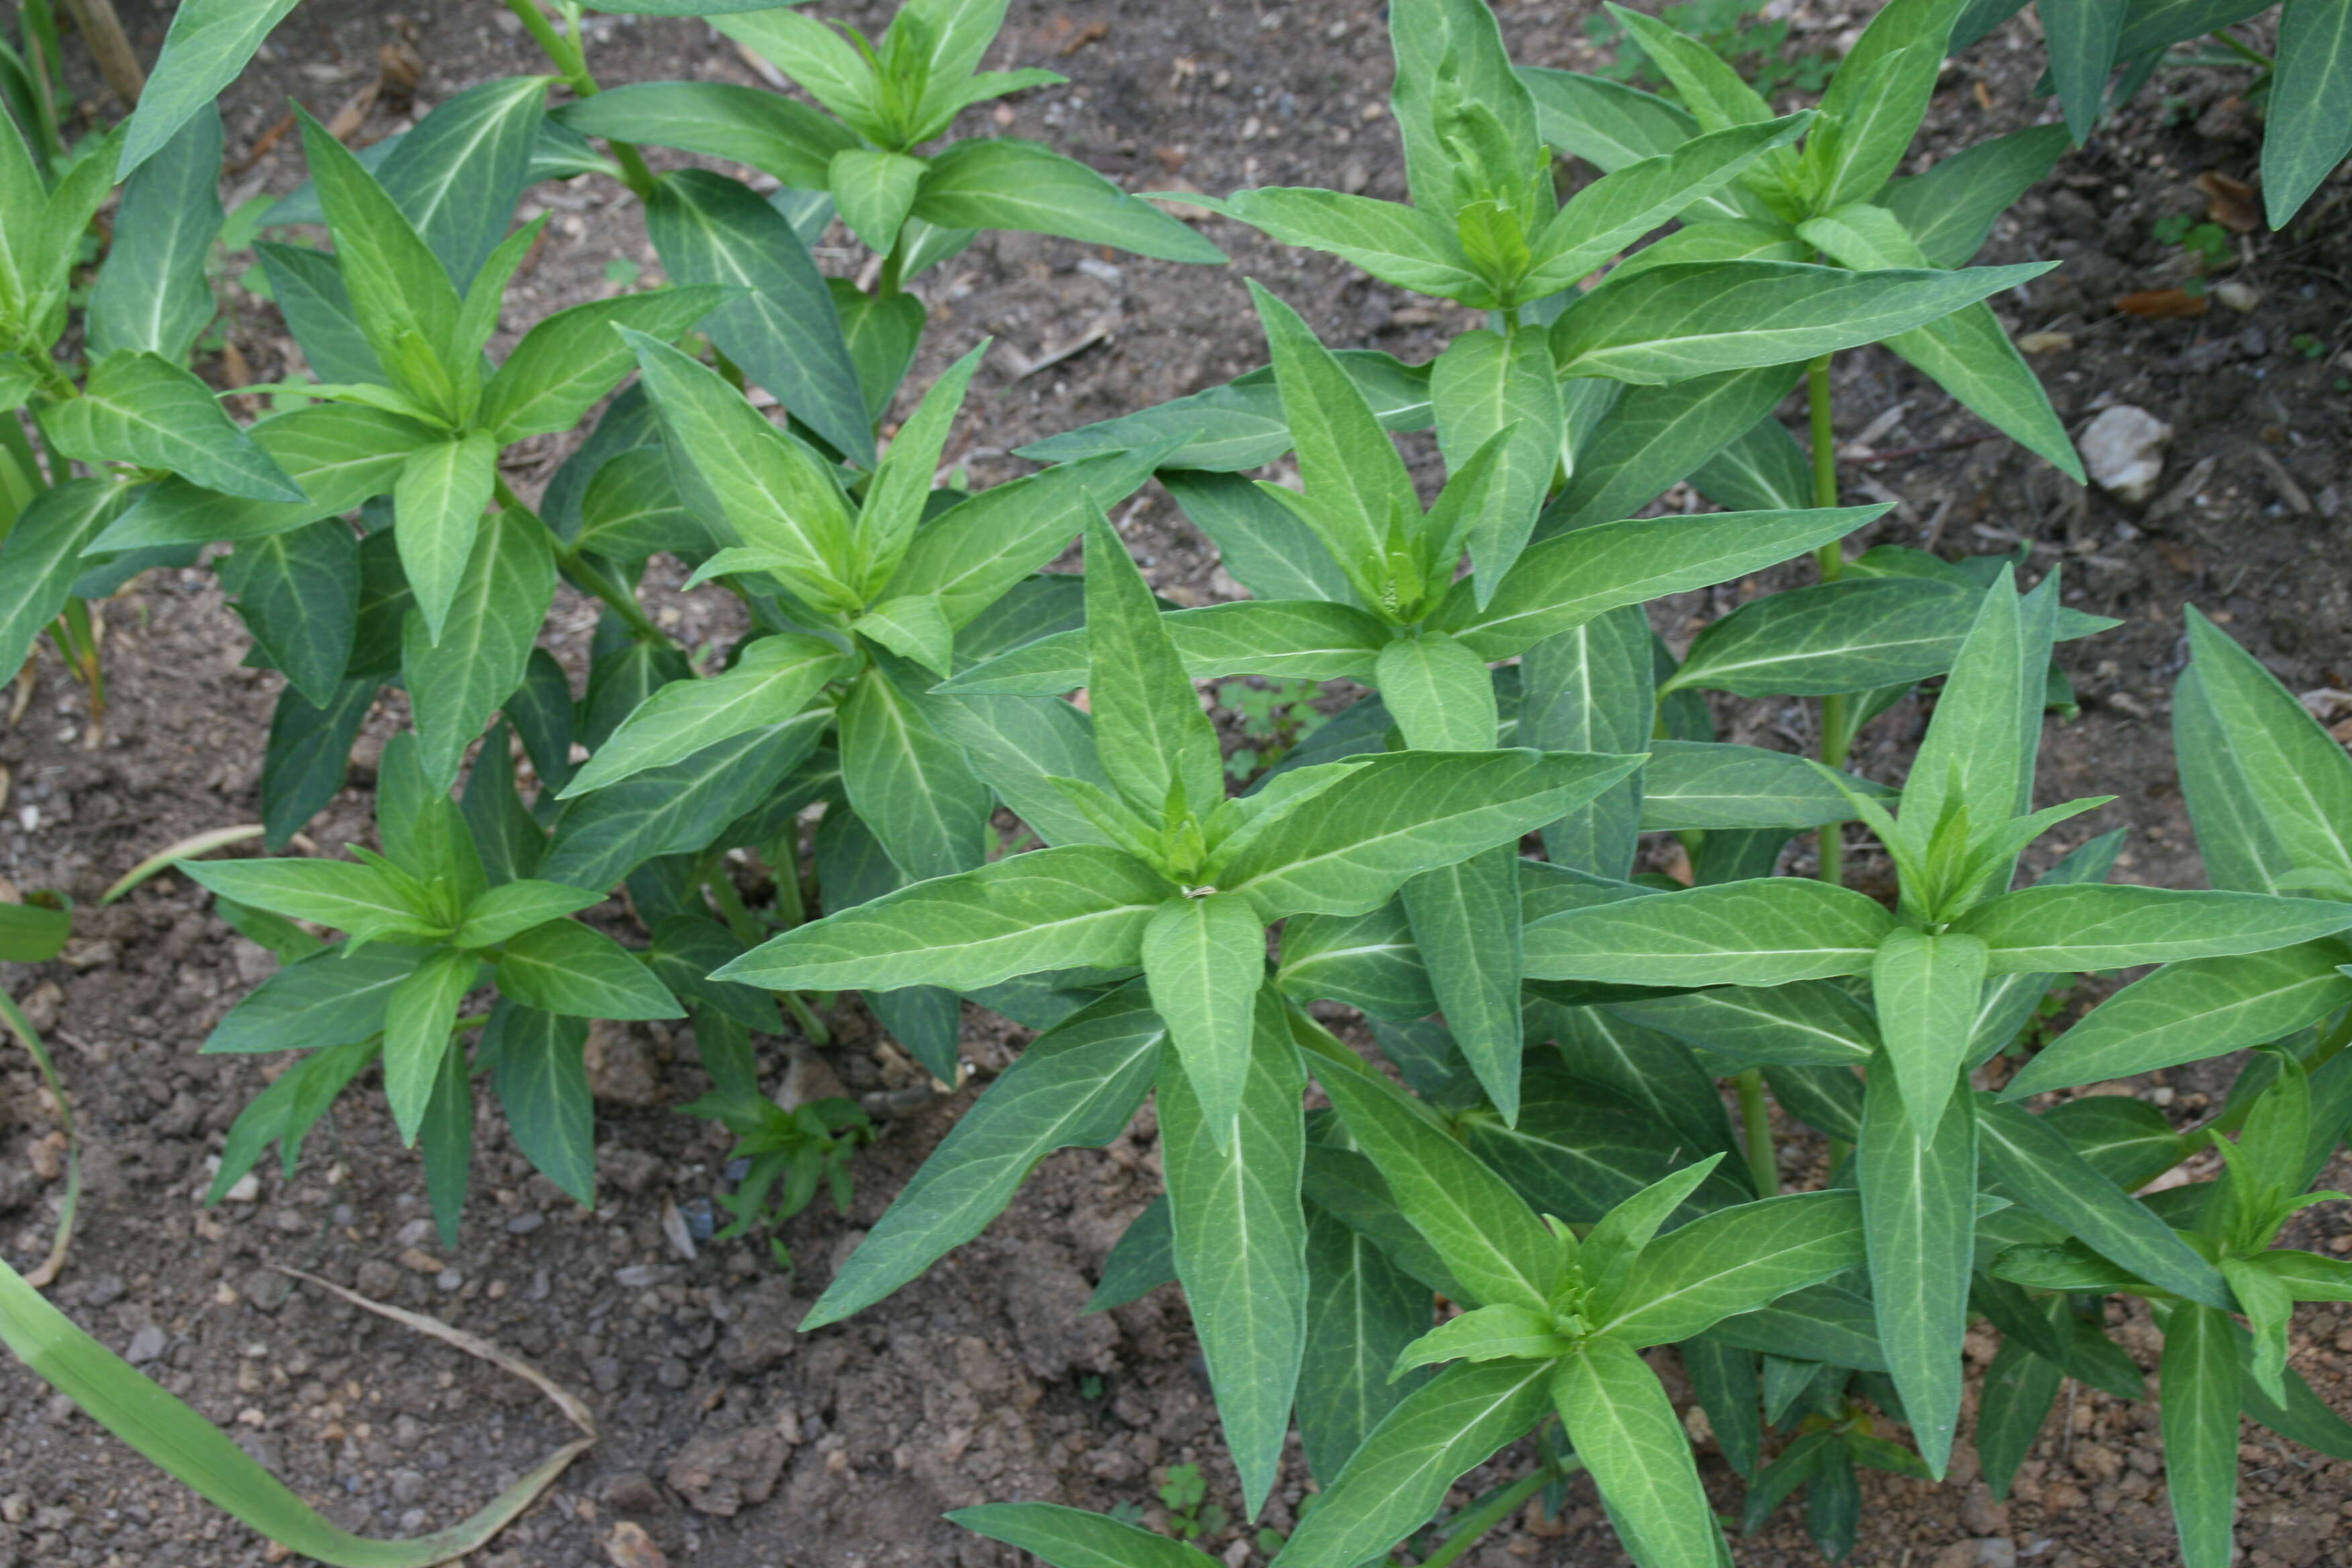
1918,1213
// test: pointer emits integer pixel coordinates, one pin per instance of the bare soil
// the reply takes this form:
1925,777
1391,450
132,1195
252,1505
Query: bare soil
729,1437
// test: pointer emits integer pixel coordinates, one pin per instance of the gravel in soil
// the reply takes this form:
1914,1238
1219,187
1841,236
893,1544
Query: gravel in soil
729,1439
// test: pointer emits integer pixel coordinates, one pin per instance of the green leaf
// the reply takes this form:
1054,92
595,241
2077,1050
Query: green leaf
815,56
1484,386
1487,1334
2083,36
140,408
208,44
1702,786
1925,988
2200,1409
1709,85
416,1020
445,1137
1071,1538
2189,1011
308,754
1204,959
778,499
513,907
564,967
1005,183
668,810
41,556
1854,634
1395,817
1918,1213
909,783
1074,907
1624,1427
882,334
2019,1388
1732,1262
1240,425
329,998
437,501
1283,639
2307,1276
1241,1234
1594,689
459,173
2055,930
458,680
1440,691
1399,1477
1562,581
1455,89
1466,923
399,291
772,680
1654,436
779,135
2308,131
2293,774
1606,124
364,901
901,490
1142,1259
875,190
1763,933
1152,734
631,511
569,361
2035,1161
297,593
309,288
784,332
539,1066
152,293
2268,1307
1671,322
1369,961
1950,209
1634,198
913,628
1074,1086
1810,1023
1400,244
1362,1310
1966,354
1485,1233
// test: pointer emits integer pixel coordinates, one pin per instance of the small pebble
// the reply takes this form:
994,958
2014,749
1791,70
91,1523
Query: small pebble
247,1189
146,1344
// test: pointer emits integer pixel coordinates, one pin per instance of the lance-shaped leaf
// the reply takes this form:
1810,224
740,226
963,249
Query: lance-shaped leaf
2198,1394
512,908
1005,182
782,330
901,489
1854,634
330,998
2019,1388
909,782
1370,962
1362,1310
1485,1233
41,556
1594,689
1704,785
667,810
1562,581
1153,735
1981,750
779,135
1918,1213
458,681
1466,923
2309,129
1359,499
1074,907
2036,1162
416,1020
1398,815
1241,1234
539,1069
1667,323
1487,1334
2187,1012
1733,1261
873,190
1073,1087
369,902
1286,639
569,360
1925,987
208,44
2057,930
1966,352
1398,244
772,680
1624,1427
403,297
1656,435
1204,959
2295,775
459,174
139,407
1263,544
1488,387
1810,1023
298,595
1072,1538
564,967
1399,1477
772,492
1764,933
152,292
437,501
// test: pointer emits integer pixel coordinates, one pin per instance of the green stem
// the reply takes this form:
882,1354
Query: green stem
810,1024
2243,51
1478,1520
585,572
1830,559
894,267
2331,1044
1755,1130
571,61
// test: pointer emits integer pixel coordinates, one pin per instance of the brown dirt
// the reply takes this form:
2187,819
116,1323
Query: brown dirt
729,1437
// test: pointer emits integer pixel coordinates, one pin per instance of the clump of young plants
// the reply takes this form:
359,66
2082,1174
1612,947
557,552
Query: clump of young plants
1472,1239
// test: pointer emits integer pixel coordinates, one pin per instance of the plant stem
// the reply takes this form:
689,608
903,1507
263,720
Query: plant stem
1831,558
1755,1130
894,265
571,61
2244,51
586,574
1478,1520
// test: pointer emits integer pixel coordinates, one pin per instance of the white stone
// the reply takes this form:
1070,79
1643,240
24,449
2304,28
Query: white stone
2123,450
